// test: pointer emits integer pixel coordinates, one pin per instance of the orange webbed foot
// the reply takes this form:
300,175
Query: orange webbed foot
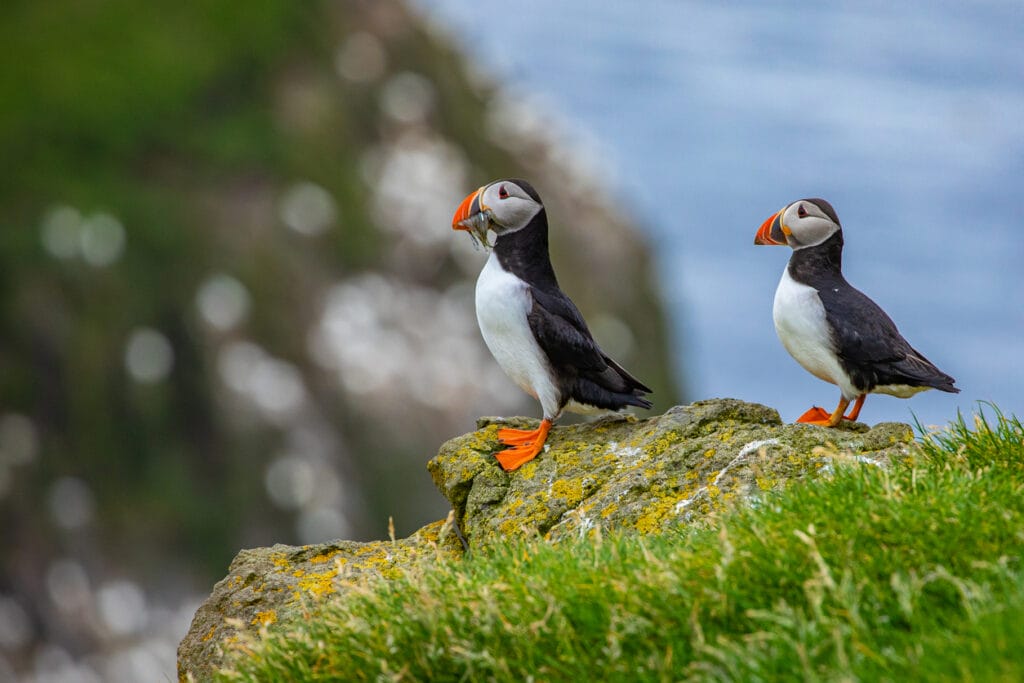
513,458
516,437
526,444
814,416
818,416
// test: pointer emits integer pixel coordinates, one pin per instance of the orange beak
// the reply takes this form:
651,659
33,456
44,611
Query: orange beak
772,230
469,207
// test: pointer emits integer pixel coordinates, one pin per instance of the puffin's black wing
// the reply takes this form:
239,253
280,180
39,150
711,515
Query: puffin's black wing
870,347
585,372
562,333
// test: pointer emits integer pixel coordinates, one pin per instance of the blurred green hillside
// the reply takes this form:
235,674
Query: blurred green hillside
232,311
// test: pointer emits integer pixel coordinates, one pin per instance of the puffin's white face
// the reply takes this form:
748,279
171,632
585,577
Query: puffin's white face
510,207
503,206
804,223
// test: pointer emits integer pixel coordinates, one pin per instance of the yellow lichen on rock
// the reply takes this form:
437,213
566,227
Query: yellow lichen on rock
324,557
319,584
264,618
571,491
650,521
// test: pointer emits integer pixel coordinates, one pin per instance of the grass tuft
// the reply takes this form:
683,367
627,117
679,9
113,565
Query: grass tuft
981,443
907,573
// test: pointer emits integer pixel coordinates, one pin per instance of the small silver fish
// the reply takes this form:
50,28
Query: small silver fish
479,224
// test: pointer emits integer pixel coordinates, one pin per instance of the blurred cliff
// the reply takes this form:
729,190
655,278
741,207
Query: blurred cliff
232,309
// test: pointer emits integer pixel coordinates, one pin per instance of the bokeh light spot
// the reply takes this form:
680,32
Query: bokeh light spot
277,386
361,58
223,301
408,97
122,607
273,386
102,239
308,209
60,231
290,481
148,356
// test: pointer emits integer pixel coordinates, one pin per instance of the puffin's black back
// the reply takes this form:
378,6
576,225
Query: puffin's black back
868,344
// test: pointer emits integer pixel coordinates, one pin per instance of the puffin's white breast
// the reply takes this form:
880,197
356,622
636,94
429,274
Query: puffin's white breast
502,303
803,329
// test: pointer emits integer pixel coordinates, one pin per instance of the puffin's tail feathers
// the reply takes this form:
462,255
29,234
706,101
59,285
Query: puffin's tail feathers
924,373
633,384
613,388
590,393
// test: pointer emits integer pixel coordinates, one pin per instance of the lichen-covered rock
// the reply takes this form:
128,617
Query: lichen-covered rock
644,475
620,472
267,586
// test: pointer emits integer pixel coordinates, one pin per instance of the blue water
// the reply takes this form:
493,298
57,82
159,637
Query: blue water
707,118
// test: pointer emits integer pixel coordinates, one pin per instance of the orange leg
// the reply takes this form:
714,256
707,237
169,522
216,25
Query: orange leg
856,408
817,416
526,444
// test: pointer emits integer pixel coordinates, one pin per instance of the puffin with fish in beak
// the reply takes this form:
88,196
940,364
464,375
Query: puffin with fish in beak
533,330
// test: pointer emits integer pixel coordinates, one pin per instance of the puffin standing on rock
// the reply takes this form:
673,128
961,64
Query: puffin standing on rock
530,326
833,330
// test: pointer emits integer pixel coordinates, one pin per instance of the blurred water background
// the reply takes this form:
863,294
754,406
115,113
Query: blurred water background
705,118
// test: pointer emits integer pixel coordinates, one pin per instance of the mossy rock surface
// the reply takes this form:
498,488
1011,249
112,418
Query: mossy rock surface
617,473
645,475
266,587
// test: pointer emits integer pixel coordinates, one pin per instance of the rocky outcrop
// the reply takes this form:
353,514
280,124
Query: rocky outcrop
618,473
642,475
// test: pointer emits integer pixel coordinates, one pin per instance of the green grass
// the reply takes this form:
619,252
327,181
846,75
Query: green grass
910,573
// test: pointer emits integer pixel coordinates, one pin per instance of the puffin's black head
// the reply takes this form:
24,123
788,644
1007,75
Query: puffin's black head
804,223
503,206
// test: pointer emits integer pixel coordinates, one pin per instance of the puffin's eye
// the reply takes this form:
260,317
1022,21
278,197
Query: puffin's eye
502,192
801,211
